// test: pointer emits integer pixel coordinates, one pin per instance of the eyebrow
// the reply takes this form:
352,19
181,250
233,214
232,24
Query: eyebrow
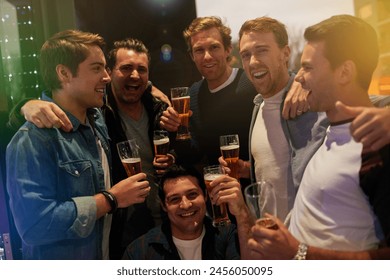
186,192
97,63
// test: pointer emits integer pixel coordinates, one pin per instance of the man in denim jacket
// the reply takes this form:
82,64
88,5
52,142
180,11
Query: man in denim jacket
59,183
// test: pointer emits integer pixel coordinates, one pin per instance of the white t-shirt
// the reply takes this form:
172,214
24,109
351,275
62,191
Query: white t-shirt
190,249
331,211
271,151
107,217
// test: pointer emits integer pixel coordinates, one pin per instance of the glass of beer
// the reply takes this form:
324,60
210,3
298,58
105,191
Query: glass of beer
129,154
181,103
220,212
161,146
261,199
230,149
161,142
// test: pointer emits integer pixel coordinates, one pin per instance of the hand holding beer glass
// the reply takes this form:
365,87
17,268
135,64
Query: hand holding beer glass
181,103
161,148
220,212
261,199
230,149
129,154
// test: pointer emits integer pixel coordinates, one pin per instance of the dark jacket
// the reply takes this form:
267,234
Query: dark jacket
217,244
123,230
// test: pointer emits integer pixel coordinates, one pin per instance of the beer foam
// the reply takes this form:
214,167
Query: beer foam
230,147
131,160
211,177
183,97
161,141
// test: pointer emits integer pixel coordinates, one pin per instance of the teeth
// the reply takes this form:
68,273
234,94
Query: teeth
259,74
188,214
100,90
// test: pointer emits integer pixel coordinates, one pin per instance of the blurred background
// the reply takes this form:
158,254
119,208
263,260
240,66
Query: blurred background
26,24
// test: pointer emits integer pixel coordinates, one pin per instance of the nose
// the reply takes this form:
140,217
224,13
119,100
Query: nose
253,60
185,203
106,78
299,77
134,74
207,54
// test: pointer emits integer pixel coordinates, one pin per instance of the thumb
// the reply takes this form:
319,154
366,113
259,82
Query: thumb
348,110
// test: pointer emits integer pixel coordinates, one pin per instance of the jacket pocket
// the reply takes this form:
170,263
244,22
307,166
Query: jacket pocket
76,177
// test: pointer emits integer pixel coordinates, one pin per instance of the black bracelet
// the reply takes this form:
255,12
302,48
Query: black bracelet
112,200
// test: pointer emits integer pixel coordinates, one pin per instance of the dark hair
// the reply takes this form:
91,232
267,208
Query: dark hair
176,171
347,37
70,48
265,25
128,44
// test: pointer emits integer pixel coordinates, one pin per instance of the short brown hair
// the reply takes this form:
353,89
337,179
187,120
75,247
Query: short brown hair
70,48
348,37
265,25
204,23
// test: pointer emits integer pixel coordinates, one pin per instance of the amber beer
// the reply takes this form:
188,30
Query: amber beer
128,152
181,103
267,222
230,153
220,212
182,106
161,146
132,166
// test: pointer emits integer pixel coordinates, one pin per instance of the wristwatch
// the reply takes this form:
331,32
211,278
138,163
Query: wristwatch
301,253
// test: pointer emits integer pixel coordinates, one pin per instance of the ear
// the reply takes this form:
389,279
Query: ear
191,55
346,72
286,52
63,73
163,207
229,50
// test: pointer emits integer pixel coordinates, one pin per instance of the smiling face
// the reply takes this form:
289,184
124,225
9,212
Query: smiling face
185,205
264,62
129,76
87,87
210,56
316,76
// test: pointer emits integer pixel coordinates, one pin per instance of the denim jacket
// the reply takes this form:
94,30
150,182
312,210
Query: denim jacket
52,177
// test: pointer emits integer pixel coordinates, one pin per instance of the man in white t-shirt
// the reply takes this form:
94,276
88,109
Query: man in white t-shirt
189,234
339,211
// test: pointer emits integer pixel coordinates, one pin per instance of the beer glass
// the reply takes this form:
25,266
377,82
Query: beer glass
181,103
161,147
161,143
230,149
129,154
220,213
260,199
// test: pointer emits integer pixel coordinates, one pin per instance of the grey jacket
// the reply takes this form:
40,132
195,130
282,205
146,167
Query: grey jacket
304,134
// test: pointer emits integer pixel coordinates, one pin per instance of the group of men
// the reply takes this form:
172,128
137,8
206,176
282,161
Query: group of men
332,200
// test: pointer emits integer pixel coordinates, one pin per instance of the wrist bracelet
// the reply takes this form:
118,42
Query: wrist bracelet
111,200
301,253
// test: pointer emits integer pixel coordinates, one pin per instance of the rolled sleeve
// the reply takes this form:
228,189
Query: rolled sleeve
86,216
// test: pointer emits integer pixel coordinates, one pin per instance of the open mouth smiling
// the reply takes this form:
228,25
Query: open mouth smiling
132,87
188,214
259,75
